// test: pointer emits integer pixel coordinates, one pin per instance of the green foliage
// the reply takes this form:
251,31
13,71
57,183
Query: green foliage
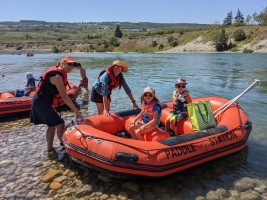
262,17
154,43
161,46
247,50
55,50
239,35
172,41
59,39
228,19
220,39
239,17
114,42
19,47
118,32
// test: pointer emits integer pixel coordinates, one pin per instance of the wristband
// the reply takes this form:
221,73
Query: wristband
133,101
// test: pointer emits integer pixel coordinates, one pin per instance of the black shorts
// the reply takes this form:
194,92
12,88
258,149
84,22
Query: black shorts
44,113
97,98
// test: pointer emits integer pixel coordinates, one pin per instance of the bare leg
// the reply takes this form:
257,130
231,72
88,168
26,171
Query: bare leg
100,108
167,125
60,129
50,134
132,128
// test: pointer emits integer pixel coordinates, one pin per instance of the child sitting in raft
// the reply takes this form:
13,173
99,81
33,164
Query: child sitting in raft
180,97
149,117
30,85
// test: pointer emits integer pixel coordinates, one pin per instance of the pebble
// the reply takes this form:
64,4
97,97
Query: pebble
28,172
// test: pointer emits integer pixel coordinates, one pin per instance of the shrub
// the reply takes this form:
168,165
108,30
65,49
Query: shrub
154,43
247,50
239,35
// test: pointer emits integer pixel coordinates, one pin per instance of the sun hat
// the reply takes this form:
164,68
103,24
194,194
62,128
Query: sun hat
29,75
67,59
120,64
180,81
150,90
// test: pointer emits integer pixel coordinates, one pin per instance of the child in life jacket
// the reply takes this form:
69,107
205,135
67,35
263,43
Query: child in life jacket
180,97
30,86
149,117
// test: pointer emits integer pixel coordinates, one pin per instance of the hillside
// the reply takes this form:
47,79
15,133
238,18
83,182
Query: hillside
193,41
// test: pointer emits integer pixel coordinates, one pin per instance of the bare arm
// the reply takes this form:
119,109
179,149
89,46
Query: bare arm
133,101
58,82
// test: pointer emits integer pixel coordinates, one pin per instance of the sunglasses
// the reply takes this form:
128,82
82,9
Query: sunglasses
148,95
180,86
73,64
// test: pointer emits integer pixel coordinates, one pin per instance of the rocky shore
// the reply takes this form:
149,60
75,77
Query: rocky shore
28,172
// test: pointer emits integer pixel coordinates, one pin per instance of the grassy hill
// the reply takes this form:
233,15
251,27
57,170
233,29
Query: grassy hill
46,37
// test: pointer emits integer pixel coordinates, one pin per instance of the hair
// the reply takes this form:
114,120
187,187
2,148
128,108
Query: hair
143,99
121,80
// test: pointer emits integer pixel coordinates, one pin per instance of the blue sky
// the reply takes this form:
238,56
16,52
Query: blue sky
161,11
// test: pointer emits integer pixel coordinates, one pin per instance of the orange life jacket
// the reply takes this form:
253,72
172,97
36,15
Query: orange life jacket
57,97
148,111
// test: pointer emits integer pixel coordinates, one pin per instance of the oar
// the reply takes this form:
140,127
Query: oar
225,106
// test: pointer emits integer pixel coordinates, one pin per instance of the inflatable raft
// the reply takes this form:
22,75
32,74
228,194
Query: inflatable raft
9,104
101,142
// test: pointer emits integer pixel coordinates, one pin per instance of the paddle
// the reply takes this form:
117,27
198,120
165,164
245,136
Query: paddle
225,106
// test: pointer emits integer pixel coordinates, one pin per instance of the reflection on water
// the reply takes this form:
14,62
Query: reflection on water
227,75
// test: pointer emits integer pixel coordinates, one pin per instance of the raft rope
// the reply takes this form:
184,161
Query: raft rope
140,149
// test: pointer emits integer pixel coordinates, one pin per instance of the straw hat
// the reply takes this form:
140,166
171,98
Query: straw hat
120,64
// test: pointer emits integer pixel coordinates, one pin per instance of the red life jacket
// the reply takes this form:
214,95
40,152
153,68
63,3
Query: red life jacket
57,97
114,82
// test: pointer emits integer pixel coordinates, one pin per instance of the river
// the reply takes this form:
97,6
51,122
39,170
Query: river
23,160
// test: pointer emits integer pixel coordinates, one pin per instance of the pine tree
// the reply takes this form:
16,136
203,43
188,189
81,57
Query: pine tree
228,19
239,17
118,32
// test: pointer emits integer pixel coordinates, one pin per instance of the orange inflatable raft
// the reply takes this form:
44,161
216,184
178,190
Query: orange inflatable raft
9,104
95,143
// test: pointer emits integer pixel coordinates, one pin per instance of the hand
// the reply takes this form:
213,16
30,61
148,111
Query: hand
78,115
135,105
106,113
84,83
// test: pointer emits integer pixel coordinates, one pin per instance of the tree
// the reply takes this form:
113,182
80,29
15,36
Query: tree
249,20
118,32
239,17
228,19
220,40
262,17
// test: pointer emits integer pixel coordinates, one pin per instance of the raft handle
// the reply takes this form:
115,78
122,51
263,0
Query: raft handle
248,125
126,157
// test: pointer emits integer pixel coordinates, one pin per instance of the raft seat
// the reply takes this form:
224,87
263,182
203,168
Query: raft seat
7,95
183,126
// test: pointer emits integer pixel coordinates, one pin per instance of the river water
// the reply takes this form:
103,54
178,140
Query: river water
225,75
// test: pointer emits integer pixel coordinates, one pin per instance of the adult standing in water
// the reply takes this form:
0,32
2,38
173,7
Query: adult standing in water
52,86
108,80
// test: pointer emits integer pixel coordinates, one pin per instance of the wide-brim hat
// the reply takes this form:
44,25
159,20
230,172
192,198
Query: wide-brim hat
150,90
120,64
180,81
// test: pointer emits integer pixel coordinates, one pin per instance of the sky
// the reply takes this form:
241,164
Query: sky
158,11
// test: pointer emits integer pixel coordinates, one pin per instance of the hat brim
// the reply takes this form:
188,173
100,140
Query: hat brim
124,67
